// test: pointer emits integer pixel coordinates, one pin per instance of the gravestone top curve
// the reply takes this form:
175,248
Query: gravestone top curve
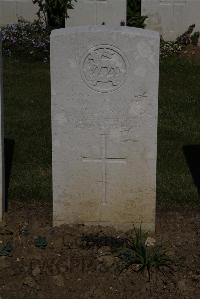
97,28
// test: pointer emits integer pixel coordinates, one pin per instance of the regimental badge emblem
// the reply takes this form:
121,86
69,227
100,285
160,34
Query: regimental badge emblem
104,68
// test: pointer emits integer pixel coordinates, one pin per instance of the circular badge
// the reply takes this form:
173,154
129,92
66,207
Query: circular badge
104,68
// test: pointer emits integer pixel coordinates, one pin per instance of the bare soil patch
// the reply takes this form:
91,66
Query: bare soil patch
191,52
76,265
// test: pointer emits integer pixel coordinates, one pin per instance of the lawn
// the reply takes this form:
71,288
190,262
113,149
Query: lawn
28,127
178,132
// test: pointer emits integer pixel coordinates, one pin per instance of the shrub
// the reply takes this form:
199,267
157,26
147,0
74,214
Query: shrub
195,38
53,12
26,39
185,38
169,48
134,18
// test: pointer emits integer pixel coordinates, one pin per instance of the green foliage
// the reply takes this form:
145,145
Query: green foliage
26,39
179,106
138,252
134,18
189,37
53,12
195,38
6,249
41,242
185,38
170,48
28,126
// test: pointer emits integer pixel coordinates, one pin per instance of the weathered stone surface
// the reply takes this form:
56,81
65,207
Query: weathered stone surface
104,125
97,12
1,137
171,17
12,10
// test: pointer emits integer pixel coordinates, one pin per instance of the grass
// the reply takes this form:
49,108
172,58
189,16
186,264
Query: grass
179,126
27,122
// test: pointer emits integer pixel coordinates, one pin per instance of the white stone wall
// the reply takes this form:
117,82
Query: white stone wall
171,17
96,12
12,10
86,12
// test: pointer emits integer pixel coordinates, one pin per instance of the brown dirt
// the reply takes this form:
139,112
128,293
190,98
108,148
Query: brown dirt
70,267
191,52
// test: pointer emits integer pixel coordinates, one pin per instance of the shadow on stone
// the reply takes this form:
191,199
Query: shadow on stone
9,145
192,156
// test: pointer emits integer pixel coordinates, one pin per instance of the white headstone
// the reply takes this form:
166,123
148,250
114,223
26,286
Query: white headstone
12,10
104,125
97,12
171,17
1,136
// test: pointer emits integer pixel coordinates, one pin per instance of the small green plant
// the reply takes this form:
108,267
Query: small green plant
169,48
134,18
195,38
189,37
6,249
146,255
41,242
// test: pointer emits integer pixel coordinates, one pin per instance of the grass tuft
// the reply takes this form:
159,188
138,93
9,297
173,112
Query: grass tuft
138,252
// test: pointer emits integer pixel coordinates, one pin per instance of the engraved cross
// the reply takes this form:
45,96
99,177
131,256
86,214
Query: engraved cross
104,160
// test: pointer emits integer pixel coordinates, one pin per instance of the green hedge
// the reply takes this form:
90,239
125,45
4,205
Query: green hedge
134,18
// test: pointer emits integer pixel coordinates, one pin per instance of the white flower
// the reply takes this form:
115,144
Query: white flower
150,242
